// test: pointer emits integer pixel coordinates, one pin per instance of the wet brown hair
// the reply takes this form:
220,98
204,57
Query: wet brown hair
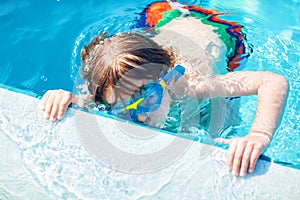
117,66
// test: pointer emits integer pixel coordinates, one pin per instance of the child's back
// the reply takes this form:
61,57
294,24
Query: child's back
196,42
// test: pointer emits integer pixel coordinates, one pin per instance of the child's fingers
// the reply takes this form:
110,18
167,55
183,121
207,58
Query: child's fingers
55,103
231,153
55,107
48,105
62,111
44,100
253,160
242,154
63,106
237,160
246,160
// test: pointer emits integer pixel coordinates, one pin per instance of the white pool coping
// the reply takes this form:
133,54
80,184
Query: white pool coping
198,172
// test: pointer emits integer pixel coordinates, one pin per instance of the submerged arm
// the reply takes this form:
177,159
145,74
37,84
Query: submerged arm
271,90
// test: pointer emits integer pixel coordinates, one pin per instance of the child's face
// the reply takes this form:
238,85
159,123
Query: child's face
150,104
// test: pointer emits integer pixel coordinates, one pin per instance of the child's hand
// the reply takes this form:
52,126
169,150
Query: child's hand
56,102
244,152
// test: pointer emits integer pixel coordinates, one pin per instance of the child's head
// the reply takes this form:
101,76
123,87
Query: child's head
116,67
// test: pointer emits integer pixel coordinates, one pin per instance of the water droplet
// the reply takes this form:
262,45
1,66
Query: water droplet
44,78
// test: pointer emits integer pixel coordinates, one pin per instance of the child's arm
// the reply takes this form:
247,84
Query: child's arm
56,102
271,90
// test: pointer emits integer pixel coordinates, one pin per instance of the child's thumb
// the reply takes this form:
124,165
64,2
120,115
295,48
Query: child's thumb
78,101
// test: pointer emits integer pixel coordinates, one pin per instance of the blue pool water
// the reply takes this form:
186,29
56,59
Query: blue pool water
40,42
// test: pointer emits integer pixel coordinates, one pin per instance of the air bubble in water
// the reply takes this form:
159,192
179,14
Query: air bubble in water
44,78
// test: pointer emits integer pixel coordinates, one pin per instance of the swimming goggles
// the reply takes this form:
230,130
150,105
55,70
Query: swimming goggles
149,97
